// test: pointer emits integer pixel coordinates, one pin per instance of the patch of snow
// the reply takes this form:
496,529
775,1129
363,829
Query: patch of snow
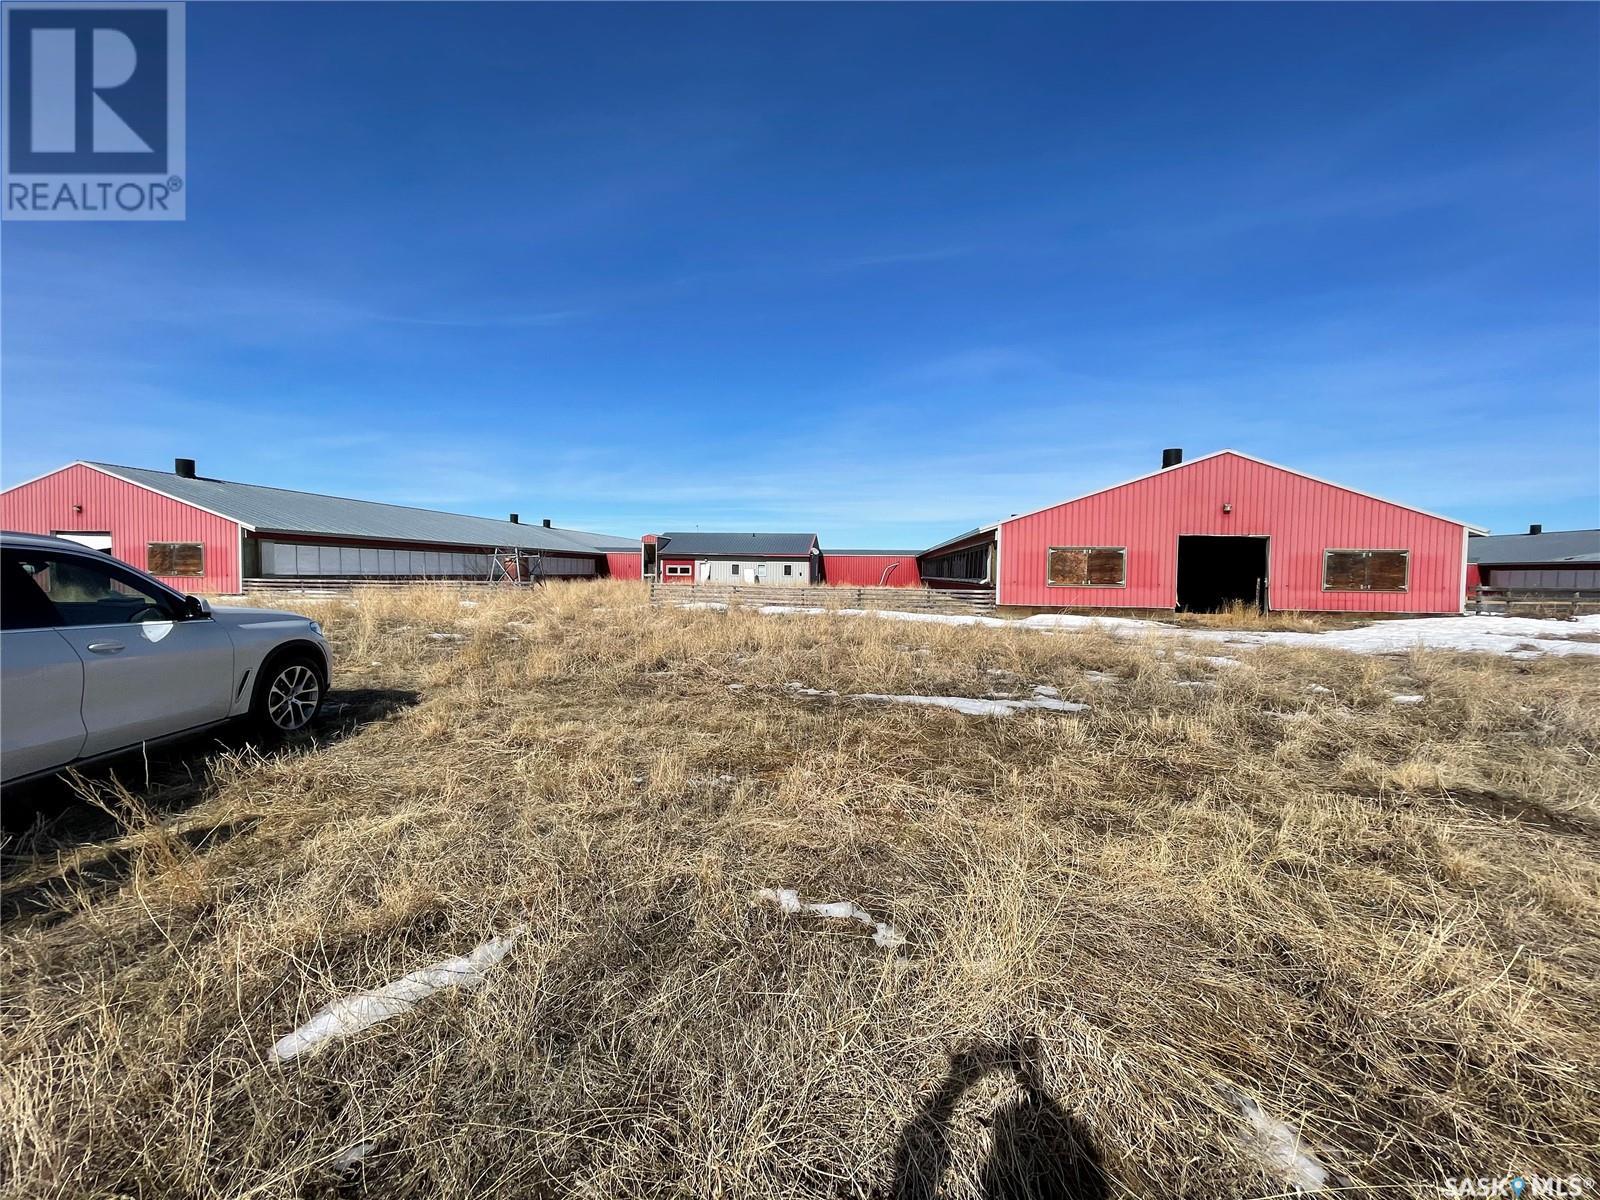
1043,698
1102,677
799,689
348,1159
1073,621
1517,637
788,901
1279,1149
351,1014
1319,689
468,603
1407,699
736,687
1194,683
446,637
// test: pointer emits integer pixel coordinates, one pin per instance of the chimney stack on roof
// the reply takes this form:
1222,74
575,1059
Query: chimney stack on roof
183,468
1171,457
1535,528
513,518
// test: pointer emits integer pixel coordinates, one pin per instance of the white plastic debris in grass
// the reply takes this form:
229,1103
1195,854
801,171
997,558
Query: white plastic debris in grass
1407,699
788,901
352,1014
1280,1150
1319,689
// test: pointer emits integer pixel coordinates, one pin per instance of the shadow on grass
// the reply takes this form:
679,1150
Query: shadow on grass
52,820
1038,1151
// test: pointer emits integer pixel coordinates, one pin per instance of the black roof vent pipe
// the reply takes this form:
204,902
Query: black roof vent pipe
1535,528
183,468
547,522
513,518
1171,457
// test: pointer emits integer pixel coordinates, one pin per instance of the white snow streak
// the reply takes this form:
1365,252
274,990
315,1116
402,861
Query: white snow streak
1280,1150
351,1014
788,900
1043,697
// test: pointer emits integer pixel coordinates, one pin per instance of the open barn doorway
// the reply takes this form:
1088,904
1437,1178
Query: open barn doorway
1217,572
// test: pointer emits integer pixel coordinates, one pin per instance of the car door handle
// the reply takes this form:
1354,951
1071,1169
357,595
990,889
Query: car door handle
106,647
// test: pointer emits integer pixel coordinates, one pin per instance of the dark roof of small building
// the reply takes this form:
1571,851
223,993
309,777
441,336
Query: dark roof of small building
736,545
829,550
1557,546
279,510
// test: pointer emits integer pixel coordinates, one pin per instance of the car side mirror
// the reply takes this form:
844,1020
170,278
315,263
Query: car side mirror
196,609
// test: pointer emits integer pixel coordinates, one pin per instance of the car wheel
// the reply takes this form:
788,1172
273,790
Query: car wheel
288,695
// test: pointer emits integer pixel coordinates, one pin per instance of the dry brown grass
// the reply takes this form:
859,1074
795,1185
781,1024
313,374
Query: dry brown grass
1382,922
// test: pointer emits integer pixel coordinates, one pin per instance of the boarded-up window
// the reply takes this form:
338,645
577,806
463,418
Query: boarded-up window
1365,570
175,558
1087,566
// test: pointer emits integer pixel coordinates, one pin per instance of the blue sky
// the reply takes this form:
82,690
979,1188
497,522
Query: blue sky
880,272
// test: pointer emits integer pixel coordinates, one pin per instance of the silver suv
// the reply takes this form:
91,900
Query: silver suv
97,658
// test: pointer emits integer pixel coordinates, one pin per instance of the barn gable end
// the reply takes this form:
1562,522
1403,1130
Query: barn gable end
1224,495
79,498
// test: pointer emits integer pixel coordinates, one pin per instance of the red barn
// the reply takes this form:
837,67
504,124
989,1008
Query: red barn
870,568
198,534
1220,529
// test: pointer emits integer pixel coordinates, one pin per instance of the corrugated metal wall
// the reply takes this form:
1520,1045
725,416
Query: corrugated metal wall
1302,516
132,515
754,570
867,570
625,566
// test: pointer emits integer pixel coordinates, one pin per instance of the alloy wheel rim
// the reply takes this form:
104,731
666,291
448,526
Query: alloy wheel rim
292,698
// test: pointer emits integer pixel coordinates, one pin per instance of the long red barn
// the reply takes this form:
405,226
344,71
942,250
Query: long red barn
1218,529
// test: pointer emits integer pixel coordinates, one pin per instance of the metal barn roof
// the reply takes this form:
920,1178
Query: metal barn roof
279,510
1558,546
868,553
736,545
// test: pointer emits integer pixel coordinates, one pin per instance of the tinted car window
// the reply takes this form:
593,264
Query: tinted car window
84,592
22,604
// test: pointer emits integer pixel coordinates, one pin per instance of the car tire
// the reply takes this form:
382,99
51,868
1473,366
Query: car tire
288,695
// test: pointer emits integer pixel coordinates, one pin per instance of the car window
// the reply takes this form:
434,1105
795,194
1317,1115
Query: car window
90,593
22,604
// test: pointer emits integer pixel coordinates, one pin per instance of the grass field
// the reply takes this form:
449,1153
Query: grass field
1232,927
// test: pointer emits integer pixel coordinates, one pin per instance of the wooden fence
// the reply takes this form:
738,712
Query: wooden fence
1534,602
963,602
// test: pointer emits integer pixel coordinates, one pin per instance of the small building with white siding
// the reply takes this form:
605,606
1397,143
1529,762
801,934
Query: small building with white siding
773,559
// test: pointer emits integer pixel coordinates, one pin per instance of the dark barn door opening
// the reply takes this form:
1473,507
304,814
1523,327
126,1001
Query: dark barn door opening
1214,572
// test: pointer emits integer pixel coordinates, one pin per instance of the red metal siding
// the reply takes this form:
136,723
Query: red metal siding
867,570
1302,516
132,515
625,566
676,562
